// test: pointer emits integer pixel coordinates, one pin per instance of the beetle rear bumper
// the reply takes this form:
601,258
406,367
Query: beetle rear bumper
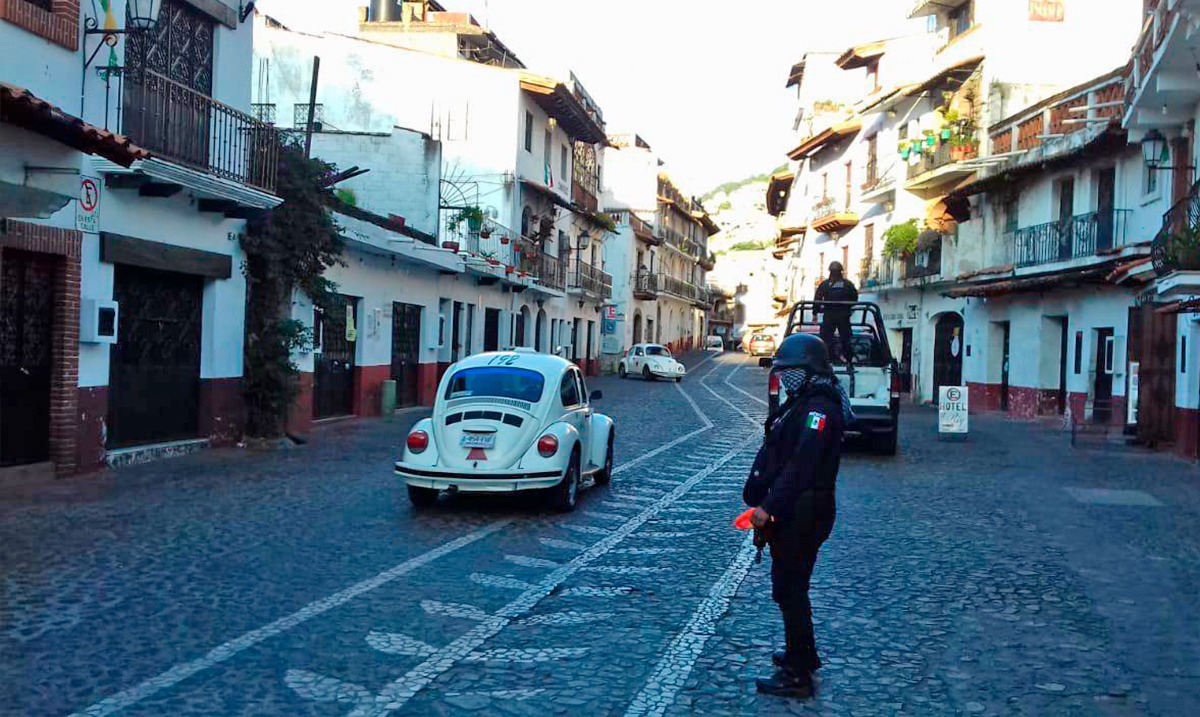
478,481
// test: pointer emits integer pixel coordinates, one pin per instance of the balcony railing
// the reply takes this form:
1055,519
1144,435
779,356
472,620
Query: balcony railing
645,285
1154,30
1075,238
531,259
181,125
1176,247
941,156
591,279
923,264
671,236
682,289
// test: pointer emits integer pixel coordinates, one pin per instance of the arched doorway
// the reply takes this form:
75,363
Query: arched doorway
520,328
637,327
539,331
948,342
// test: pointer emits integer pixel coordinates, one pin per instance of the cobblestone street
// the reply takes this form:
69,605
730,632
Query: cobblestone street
1008,575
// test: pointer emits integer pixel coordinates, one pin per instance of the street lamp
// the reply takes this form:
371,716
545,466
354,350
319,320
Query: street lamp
584,240
1154,149
142,17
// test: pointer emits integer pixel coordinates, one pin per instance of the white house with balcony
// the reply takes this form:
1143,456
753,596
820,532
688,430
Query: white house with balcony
121,212
521,168
1161,109
1053,261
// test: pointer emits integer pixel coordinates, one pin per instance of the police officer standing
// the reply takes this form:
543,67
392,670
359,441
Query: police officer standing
836,319
791,488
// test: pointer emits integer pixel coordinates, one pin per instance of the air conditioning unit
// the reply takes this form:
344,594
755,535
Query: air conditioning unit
98,321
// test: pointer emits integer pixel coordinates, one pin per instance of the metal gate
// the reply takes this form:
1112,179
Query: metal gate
26,339
333,378
154,377
406,352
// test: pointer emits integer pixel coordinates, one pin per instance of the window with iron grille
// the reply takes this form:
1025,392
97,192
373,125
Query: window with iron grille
300,115
264,111
180,47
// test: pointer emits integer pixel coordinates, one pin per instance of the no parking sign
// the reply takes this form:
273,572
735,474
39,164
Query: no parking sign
87,209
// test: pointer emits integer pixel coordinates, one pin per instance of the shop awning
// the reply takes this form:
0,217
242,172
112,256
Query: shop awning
861,55
548,193
1018,285
810,146
557,100
21,107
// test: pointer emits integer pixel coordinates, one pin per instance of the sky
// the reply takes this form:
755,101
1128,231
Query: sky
702,81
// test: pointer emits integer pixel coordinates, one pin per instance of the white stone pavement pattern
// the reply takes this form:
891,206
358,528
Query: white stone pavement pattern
1006,575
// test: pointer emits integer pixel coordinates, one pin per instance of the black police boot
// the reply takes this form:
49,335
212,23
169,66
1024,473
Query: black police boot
786,683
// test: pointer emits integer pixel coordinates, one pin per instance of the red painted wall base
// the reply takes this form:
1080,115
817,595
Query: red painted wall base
368,389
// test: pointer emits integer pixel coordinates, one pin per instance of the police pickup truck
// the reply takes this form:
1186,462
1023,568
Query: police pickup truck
873,379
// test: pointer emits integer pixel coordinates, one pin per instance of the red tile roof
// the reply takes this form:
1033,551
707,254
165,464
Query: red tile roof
23,108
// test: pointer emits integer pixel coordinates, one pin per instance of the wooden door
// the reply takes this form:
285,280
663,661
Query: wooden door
154,374
1106,181
333,374
947,352
1152,346
27,298
406,352
1103,386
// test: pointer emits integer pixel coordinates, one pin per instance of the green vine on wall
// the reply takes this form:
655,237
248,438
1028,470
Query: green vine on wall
287,249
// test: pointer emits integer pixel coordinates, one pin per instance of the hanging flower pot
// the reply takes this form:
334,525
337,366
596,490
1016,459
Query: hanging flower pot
945,133
904,152
504,240
930,140
485,233
474,223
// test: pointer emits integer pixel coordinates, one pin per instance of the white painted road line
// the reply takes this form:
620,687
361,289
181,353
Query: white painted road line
397,693
672,671
217,655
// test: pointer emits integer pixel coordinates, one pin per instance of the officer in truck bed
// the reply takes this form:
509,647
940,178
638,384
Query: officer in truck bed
836,319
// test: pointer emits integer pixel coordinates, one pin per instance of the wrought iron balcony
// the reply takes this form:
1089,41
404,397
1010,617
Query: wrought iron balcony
681,289
181,125
531,259
645,286
590,279
943,154
831,215
1075,238
1176,247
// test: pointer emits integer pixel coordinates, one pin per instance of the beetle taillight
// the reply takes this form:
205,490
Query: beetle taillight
547,446
418,441
773,385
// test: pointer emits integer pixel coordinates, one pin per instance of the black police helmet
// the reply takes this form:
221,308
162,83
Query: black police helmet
803,351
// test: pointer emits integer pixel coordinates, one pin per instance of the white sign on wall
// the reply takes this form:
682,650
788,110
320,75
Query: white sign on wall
1131,405
952,410
87,209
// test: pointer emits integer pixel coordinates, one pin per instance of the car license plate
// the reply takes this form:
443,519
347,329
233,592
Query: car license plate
479,440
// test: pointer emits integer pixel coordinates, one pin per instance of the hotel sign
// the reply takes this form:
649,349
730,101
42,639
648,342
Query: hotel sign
1046,10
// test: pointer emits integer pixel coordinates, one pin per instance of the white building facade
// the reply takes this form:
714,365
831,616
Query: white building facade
122,211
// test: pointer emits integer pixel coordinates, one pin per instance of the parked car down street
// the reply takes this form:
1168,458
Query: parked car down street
651,361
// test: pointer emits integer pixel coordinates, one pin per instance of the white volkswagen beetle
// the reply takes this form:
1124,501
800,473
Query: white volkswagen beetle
651,361
509,421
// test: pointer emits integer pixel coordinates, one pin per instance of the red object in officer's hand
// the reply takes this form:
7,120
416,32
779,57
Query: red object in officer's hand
743,521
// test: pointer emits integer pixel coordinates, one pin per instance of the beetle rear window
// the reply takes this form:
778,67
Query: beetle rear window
498,382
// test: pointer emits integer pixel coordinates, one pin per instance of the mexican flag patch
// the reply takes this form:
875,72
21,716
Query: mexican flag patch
816,421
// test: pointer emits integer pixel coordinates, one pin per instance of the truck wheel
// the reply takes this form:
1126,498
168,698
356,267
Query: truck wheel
422,497
565,495
887,444
604,477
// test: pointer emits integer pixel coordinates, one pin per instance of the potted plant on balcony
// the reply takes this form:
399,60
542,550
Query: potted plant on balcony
451,245
504,239
473,216
489,257
485,232
1183,248
900,240
930,139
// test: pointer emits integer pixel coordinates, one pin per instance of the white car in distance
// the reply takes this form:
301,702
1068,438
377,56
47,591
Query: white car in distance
651,361
509,421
